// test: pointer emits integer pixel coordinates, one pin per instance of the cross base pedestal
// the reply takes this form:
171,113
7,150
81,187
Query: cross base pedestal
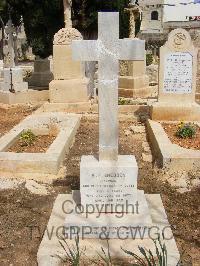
131,221
104,184
50,246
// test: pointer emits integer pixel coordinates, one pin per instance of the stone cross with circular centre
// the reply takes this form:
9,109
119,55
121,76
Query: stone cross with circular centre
108,50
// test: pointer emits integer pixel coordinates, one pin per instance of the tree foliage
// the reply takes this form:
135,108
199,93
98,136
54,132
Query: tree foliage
43,18
85,14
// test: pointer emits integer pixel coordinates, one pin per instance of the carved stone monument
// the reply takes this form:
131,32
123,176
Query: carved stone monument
177,80
69,84
67,13
135,82
12,75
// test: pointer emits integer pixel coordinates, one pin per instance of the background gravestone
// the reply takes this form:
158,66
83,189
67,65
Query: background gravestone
12,75
42,76
69,84
135,82
177,79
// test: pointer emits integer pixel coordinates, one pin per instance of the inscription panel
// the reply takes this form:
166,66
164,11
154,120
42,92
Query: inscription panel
178,73
104,184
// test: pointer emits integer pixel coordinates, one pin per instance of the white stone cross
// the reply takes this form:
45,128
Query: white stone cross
108,50
10,30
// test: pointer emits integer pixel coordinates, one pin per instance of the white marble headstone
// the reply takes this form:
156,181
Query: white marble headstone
178,67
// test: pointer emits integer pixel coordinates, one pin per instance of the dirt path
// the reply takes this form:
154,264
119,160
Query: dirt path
10,117
20,211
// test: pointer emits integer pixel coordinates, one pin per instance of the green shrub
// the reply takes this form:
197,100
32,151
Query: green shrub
73,253
27,138
149,59
185,131
124,101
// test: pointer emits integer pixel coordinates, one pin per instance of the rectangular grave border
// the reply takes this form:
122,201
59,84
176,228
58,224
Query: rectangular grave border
168,155
39,163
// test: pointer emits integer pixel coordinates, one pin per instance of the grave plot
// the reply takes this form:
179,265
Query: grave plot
18,217
167,152
107,179
176,102
38,144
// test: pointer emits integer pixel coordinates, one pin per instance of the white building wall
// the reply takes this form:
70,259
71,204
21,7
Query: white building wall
180,12
169,10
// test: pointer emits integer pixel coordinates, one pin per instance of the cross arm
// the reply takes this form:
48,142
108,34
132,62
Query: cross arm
132,49
84,50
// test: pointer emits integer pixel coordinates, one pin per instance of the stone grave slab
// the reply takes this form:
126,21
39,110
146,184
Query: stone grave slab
120,221
50,250
48,162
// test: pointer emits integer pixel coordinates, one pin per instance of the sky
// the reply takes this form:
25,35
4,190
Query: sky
177,11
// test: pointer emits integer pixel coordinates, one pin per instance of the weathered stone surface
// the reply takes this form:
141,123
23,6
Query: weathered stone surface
177,79
27,96
64,68
36,188
147,157
13,80
68,91
108,182
137,129
42,76
134,214
50,248
70,84
152,72
108,50
66,35
67,13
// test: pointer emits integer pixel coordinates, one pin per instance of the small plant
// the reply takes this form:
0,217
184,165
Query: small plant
147,255
149,59
186,130
124,101
106,257
27,138
73,253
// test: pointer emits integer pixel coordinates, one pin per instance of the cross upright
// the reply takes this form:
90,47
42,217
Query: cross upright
108,50
10,30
